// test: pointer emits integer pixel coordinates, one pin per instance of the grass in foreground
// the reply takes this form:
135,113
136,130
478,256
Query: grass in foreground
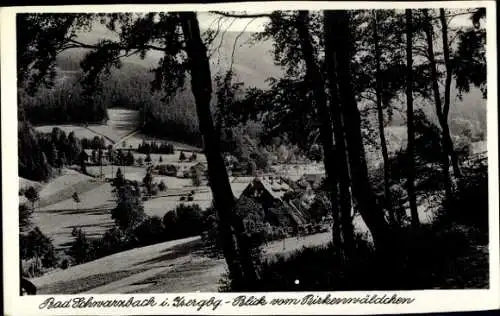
430,257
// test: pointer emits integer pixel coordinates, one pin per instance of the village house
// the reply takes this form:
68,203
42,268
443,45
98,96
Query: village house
269,191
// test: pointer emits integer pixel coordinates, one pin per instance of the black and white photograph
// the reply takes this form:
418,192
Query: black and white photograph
287,150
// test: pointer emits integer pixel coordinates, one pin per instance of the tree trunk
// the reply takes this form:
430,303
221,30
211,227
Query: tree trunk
370,210
381,124
342,165
410,182
447,92
111,160
236,246
439,108
316,82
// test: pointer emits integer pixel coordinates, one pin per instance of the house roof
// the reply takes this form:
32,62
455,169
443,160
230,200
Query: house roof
239,184
200,166
274,186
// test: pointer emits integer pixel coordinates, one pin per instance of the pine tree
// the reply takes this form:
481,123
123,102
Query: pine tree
54,157
76,199
100,156
130,158
93,156
32,195
148,159
83,157
148,181
119,179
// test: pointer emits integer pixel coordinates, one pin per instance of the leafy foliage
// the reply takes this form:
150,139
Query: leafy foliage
150,231
36,244
129,212
40,37
25,214
470,60
183,222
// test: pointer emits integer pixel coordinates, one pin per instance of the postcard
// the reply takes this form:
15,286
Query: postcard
250,158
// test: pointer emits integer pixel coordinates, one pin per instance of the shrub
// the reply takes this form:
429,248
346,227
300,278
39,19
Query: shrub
112,241
31,267
32,195
147,181
81,248
261,158
184,221
211,237
407,264
139,161
36,244
470,205
129,211
316,153
65,263
167,170
25,214
162,186
253,216
150,231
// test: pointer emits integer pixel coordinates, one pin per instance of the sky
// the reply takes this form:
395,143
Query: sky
209,20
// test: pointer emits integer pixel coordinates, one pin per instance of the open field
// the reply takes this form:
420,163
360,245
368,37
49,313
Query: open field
121,123
92,215
129,172
59,188
134,173
158,206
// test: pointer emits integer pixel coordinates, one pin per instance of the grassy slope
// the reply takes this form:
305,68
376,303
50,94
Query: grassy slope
174,266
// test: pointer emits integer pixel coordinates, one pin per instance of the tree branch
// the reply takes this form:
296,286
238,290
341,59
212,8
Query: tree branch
78,44
236,42
242,15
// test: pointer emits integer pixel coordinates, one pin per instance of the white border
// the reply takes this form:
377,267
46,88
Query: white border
425,301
